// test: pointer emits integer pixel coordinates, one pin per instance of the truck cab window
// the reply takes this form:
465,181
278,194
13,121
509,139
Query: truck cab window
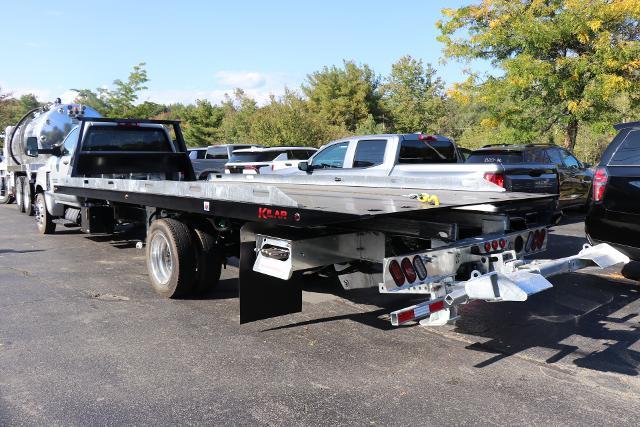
414,151
331,157
369,153
111,138
70,142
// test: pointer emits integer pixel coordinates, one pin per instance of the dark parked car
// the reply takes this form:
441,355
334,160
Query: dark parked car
575,176
614,216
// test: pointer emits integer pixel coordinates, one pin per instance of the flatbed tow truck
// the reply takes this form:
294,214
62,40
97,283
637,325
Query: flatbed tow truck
452,240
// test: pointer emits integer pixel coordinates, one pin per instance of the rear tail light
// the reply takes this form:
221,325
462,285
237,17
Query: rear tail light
529,246
541,235
503,243
396,273
487,246
536,240
408,270
420,268
494,245
600,179
495,178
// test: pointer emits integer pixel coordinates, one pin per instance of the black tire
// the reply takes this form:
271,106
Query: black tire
209,257
44,221
171,258
28,200
20,193
5,197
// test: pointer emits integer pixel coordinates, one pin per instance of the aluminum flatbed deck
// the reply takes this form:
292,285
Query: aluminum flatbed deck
299,204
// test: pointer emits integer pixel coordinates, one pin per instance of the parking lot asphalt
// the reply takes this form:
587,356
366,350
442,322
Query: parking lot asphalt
84,340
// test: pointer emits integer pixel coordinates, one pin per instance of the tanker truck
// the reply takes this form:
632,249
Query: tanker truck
29,143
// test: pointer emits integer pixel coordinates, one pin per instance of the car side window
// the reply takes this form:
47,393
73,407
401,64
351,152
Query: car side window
70,142
555,156
369,152
537,156
569,160
628,154
331,157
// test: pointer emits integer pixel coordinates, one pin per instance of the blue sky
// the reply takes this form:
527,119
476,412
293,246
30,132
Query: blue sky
202,49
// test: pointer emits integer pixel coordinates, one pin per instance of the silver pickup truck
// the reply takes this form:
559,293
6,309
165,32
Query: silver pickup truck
418,155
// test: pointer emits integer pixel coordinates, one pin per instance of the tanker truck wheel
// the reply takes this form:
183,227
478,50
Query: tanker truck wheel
171,258
44,221
5,197
27,194
20,193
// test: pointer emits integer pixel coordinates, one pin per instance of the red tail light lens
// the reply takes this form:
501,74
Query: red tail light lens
495,178
487,246
408,270
536,240
503,243
541,235
396,273
494,245
600,179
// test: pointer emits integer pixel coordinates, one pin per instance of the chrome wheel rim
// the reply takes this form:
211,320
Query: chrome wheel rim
161,260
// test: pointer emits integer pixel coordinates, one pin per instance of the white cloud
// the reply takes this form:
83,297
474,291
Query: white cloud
241,79
259,86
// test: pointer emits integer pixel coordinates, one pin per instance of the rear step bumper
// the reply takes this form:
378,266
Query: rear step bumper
515,282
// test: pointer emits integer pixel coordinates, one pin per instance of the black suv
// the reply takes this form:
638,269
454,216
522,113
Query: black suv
614,216
575,177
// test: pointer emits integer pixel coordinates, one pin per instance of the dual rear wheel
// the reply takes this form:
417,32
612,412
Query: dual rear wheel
182,260
24,193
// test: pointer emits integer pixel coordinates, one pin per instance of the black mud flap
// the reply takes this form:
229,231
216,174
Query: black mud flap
262,296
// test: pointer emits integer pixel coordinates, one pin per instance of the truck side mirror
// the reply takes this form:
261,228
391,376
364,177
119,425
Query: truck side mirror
56,150
32,147
305,166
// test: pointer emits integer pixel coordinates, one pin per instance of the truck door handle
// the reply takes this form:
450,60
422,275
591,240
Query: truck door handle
288,164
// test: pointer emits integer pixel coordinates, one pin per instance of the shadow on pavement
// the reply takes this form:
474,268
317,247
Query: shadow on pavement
13,251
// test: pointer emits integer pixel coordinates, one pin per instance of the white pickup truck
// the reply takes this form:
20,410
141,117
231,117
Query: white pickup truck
419,155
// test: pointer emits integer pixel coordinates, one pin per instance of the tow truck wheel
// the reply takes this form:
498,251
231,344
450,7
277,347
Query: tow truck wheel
28,200
171,258
5,196
20,193
44,221
209,258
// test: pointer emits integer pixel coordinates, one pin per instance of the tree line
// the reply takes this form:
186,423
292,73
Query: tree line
563,71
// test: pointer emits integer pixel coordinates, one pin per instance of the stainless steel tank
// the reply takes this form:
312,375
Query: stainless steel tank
50,125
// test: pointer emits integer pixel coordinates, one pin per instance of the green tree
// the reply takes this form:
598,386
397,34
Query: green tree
289,121
563,61
238,114
119,101
202,123
344,97
414,96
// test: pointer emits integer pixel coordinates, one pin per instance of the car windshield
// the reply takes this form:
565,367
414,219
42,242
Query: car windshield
255,156
495,157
